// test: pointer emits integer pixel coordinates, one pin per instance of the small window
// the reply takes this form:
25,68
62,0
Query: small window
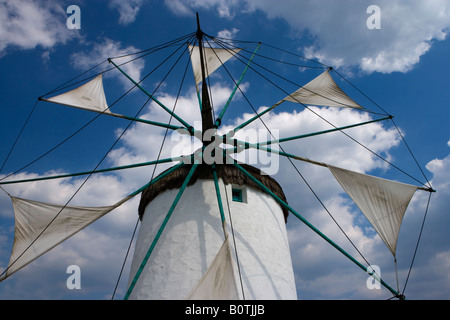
237,194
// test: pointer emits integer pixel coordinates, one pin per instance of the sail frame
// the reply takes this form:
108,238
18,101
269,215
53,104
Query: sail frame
383,202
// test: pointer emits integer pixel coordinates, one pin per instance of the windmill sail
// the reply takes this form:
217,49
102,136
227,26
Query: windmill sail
90,96
322,91
218,282
41,226
382,201
214,58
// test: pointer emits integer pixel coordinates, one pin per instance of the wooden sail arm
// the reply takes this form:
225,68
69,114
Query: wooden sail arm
242,145
219,119
60,176
161,229
322,132
188,126
117,115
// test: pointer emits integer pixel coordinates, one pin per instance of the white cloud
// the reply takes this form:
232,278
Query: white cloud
341,37
228,34
225,9
340,34
108,48
29,24
128,9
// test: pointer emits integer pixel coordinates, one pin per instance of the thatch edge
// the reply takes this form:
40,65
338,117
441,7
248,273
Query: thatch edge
229,174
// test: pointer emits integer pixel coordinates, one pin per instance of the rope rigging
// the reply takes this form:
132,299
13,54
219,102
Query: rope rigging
87,178
151,179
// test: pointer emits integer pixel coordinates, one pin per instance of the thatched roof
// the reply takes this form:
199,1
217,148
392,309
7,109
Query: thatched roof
228,173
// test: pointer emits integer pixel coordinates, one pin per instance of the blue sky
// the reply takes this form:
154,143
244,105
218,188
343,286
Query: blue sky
403,67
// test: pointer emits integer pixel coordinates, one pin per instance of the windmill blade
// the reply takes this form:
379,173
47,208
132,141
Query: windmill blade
219,281
322,91
89,96
40,226
382,201
214,58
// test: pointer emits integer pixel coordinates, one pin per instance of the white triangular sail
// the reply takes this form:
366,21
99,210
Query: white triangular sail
382,201
36,220
214,58
322,91
218,282
90,96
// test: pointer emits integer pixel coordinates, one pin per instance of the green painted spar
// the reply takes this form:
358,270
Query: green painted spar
154,123
219,119
116,115
219,198
155,180
239,127
189,127
232,132
247,145
321,132
161,229
142,164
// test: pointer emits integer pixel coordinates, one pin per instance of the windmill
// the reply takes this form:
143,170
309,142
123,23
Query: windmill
211,227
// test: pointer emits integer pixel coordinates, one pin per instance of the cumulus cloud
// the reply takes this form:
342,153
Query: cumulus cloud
108,48
30,24
225,9
339,32
228,34
128,9
341,37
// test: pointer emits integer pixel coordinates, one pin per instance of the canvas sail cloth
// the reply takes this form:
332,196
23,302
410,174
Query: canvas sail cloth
89,96
383,202
322,91
33,217
219,282
214,58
